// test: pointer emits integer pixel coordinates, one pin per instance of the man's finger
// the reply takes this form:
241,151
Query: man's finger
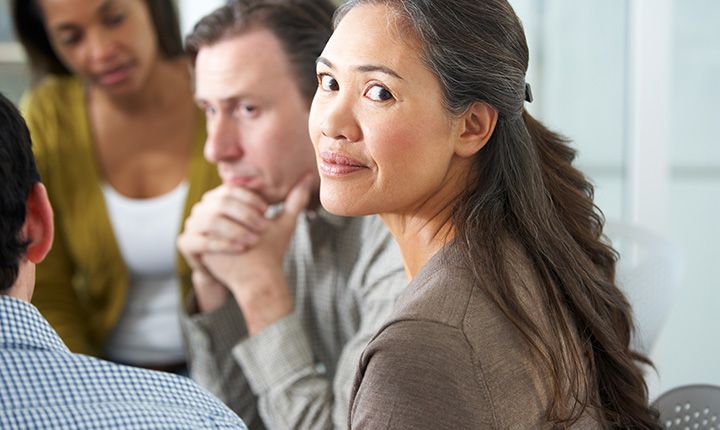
298,197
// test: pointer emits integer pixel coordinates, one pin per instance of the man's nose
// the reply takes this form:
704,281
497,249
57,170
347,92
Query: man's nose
223,140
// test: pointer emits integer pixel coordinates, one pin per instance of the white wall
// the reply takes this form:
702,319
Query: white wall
192,10
636,85
689,351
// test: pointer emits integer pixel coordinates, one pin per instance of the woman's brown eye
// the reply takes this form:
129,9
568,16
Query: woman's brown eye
379,93
328,83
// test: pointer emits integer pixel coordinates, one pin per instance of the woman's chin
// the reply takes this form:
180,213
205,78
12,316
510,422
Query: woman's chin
336,207
342,204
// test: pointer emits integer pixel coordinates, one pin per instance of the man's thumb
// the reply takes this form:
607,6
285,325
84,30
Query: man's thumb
298,197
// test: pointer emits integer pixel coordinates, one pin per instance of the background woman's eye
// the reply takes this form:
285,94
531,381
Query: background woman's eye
114,19
328,83
70,39
378,93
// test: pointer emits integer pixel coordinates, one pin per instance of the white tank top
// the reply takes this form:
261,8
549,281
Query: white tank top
148,330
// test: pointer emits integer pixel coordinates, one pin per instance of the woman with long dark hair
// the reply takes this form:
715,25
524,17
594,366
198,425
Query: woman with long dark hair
512,318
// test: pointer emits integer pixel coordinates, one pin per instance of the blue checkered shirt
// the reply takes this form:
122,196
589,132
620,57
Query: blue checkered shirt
45,386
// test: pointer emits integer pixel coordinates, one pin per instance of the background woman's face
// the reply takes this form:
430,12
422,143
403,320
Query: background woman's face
109,43
383,140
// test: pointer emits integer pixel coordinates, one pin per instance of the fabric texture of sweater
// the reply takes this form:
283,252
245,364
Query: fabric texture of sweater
448,358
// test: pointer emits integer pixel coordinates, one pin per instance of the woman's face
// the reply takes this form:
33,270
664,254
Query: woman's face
109,43
383,140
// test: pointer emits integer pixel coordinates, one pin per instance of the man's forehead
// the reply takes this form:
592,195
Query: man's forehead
257,47
240,65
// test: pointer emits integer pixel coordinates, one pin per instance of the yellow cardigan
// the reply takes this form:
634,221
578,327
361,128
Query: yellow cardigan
82,285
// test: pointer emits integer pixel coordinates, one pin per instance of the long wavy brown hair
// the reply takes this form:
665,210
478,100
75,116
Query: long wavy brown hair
523,186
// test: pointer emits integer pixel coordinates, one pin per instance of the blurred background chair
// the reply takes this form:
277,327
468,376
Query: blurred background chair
649,273
690,407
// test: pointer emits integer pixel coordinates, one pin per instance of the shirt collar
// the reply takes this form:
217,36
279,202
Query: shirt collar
22,327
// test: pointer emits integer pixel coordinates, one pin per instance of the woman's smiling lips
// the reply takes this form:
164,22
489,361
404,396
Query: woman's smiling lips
335,164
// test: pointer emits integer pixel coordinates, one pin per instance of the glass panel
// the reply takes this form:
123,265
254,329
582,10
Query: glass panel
14,76
6,30
14,79
689,351
578,69
696,85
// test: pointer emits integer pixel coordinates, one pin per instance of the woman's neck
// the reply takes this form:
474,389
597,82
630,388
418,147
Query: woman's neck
424,228
420,235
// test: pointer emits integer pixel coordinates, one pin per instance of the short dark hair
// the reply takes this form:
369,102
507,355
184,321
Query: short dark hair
30,29
18,174
302,27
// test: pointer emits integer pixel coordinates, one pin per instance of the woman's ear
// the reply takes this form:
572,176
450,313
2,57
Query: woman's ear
478,125
39,226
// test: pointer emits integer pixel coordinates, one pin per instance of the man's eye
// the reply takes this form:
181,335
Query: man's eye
243,110
378,93
209,110
328,83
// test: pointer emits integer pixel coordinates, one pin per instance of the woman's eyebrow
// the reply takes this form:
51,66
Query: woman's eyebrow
363,68
324,61
381,69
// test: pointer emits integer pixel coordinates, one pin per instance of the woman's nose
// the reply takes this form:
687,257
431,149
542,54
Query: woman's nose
101,45
338,120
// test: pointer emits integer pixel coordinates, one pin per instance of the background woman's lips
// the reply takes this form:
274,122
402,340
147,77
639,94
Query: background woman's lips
114,76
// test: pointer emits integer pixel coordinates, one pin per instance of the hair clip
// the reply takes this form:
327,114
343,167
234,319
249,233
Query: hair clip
528,93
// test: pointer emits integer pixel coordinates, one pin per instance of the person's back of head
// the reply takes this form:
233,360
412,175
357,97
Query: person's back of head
303,27
18,174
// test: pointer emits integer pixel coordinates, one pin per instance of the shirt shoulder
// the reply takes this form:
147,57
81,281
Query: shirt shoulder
420,374
58,390
360,249
440,292
56,114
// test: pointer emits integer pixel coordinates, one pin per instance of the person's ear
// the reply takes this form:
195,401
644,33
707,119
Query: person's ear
39,226
478,125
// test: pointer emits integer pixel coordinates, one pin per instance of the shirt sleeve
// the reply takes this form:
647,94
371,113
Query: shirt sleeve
209,339
292,391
